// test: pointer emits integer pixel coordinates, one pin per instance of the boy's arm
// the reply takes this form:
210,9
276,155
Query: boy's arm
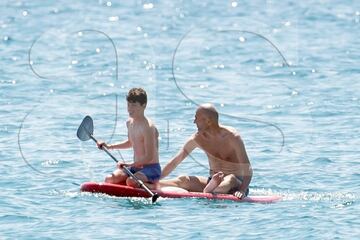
188,147
121,145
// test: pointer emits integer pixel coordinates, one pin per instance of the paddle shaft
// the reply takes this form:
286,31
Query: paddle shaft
153,195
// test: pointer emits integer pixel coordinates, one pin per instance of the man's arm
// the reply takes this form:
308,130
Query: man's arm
188,147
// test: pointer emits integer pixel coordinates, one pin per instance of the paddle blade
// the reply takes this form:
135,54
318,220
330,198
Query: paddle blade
85,129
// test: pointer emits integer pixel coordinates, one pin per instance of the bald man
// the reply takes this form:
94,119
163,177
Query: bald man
230,168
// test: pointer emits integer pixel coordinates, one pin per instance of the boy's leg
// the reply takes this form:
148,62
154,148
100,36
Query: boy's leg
141,176
118,176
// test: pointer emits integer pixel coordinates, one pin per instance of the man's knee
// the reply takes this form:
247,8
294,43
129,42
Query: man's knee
233,180
183,181
183,178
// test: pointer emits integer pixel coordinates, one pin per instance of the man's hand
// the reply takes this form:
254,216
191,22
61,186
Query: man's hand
239,194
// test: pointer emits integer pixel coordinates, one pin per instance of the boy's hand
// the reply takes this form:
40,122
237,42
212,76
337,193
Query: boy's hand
121,165
136,165
101,145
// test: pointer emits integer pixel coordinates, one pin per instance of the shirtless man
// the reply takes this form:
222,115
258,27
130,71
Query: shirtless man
143,138
230,169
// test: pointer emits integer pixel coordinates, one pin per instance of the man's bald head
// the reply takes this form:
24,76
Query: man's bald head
210,111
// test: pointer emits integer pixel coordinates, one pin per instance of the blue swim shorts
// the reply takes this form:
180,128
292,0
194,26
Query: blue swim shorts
151,171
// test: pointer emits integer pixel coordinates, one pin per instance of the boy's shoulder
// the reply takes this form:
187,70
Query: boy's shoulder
150,125
146,123
150,122
128,122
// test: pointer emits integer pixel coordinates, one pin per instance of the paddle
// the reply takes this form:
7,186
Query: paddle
85,132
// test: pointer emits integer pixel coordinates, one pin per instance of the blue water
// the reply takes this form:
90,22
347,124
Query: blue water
285,74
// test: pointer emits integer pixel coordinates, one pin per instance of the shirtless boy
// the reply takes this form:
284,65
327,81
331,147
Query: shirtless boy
143,138
230,169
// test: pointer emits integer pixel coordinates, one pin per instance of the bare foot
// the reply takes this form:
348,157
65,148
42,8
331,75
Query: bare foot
216,179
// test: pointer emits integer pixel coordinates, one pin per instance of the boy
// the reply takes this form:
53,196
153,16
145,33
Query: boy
143,138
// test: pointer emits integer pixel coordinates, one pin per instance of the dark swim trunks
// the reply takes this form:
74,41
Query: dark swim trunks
239,178
151,171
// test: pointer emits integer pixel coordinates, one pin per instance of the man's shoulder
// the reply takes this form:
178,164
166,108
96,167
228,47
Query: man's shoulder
231,131
232,135
195,136
192,141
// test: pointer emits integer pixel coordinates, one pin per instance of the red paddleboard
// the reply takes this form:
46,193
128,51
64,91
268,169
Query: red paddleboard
168,192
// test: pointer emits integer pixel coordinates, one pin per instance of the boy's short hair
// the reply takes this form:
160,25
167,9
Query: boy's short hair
137,95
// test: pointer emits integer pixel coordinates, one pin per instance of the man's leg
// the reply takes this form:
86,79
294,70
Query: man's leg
215,181
190,183
229,183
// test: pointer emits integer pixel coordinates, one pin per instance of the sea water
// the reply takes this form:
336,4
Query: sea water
284,74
